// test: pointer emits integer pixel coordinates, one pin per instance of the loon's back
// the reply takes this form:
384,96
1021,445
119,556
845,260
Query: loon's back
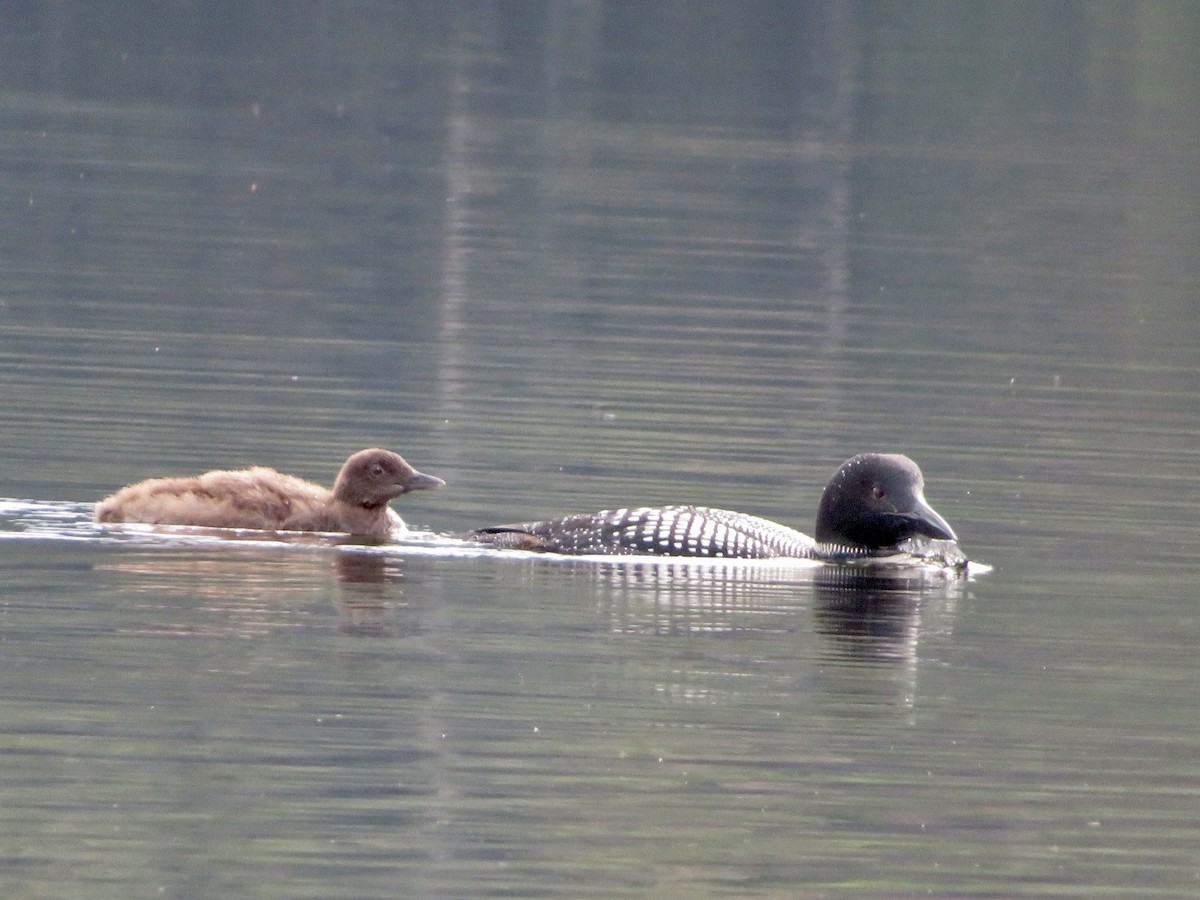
655,531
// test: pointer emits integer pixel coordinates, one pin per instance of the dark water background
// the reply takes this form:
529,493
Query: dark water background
572,255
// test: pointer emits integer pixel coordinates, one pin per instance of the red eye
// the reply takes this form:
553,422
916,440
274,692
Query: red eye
878,493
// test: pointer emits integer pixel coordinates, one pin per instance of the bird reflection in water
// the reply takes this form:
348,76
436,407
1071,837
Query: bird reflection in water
369,583
261,590
868,605
880,615
863,618
707,598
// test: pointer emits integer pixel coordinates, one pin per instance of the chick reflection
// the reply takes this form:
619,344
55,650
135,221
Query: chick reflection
360,567
246,591
365,603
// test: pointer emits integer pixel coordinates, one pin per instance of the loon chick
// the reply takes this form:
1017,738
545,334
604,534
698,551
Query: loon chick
261,498
872,503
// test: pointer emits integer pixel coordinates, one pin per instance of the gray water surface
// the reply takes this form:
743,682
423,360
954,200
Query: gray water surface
571,256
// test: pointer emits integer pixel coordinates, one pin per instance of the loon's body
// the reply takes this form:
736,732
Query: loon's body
655,531
872,505
264,499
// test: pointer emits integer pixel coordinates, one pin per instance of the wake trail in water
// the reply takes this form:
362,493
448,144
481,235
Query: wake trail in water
64,520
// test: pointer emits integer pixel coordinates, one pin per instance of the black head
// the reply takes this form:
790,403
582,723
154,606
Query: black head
875,500
371,478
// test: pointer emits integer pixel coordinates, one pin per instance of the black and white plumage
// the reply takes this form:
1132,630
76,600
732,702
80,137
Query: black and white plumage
655,531
871,506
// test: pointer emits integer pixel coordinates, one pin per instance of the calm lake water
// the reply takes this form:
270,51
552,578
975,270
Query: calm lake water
576,255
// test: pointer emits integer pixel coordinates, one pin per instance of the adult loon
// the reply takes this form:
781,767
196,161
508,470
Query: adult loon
871,505
261,498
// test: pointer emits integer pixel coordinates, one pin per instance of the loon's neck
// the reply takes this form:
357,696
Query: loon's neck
946,554
828,551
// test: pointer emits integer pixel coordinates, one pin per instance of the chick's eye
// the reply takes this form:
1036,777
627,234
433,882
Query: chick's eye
377,470
878,493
